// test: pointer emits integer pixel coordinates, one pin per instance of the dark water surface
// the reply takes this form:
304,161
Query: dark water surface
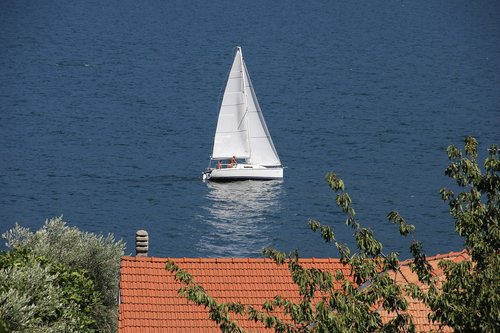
108,112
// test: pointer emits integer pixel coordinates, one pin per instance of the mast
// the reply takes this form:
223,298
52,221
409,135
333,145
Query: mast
245,94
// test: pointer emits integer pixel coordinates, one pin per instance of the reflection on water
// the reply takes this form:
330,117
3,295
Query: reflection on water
238,217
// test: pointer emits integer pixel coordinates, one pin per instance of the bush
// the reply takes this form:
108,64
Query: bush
38,295
96,255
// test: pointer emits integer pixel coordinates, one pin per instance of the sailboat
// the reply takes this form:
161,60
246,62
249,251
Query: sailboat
243,148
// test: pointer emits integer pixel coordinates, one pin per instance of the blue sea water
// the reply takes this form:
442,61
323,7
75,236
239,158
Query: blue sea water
108,111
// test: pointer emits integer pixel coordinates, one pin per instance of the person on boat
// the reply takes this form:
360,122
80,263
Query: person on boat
232,162
219,164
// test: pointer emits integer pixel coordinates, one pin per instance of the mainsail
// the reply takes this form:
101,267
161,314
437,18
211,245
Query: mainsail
241,128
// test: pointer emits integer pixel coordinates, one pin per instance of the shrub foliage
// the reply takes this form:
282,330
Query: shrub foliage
74,274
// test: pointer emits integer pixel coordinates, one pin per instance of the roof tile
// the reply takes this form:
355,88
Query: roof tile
150,301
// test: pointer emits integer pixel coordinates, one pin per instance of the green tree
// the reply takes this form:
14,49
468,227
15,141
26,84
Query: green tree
42,296
97,255
468,300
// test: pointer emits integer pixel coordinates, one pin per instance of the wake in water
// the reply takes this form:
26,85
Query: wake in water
238,216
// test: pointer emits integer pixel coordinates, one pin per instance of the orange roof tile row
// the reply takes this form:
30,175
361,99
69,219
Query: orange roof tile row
149,293
149,300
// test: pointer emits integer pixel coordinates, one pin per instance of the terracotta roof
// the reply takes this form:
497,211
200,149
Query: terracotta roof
149,299
417,309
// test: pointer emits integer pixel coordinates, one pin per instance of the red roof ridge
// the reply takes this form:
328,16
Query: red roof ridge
464,254
452,255
224,260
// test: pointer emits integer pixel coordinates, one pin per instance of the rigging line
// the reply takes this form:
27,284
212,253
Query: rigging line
245,96
242,118
244,71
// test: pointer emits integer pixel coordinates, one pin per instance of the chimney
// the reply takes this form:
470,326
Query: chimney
141,243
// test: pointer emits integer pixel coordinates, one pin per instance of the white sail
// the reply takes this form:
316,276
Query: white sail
241,128
242,132
262,150
231,135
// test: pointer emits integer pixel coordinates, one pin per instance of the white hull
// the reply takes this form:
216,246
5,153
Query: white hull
244,172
